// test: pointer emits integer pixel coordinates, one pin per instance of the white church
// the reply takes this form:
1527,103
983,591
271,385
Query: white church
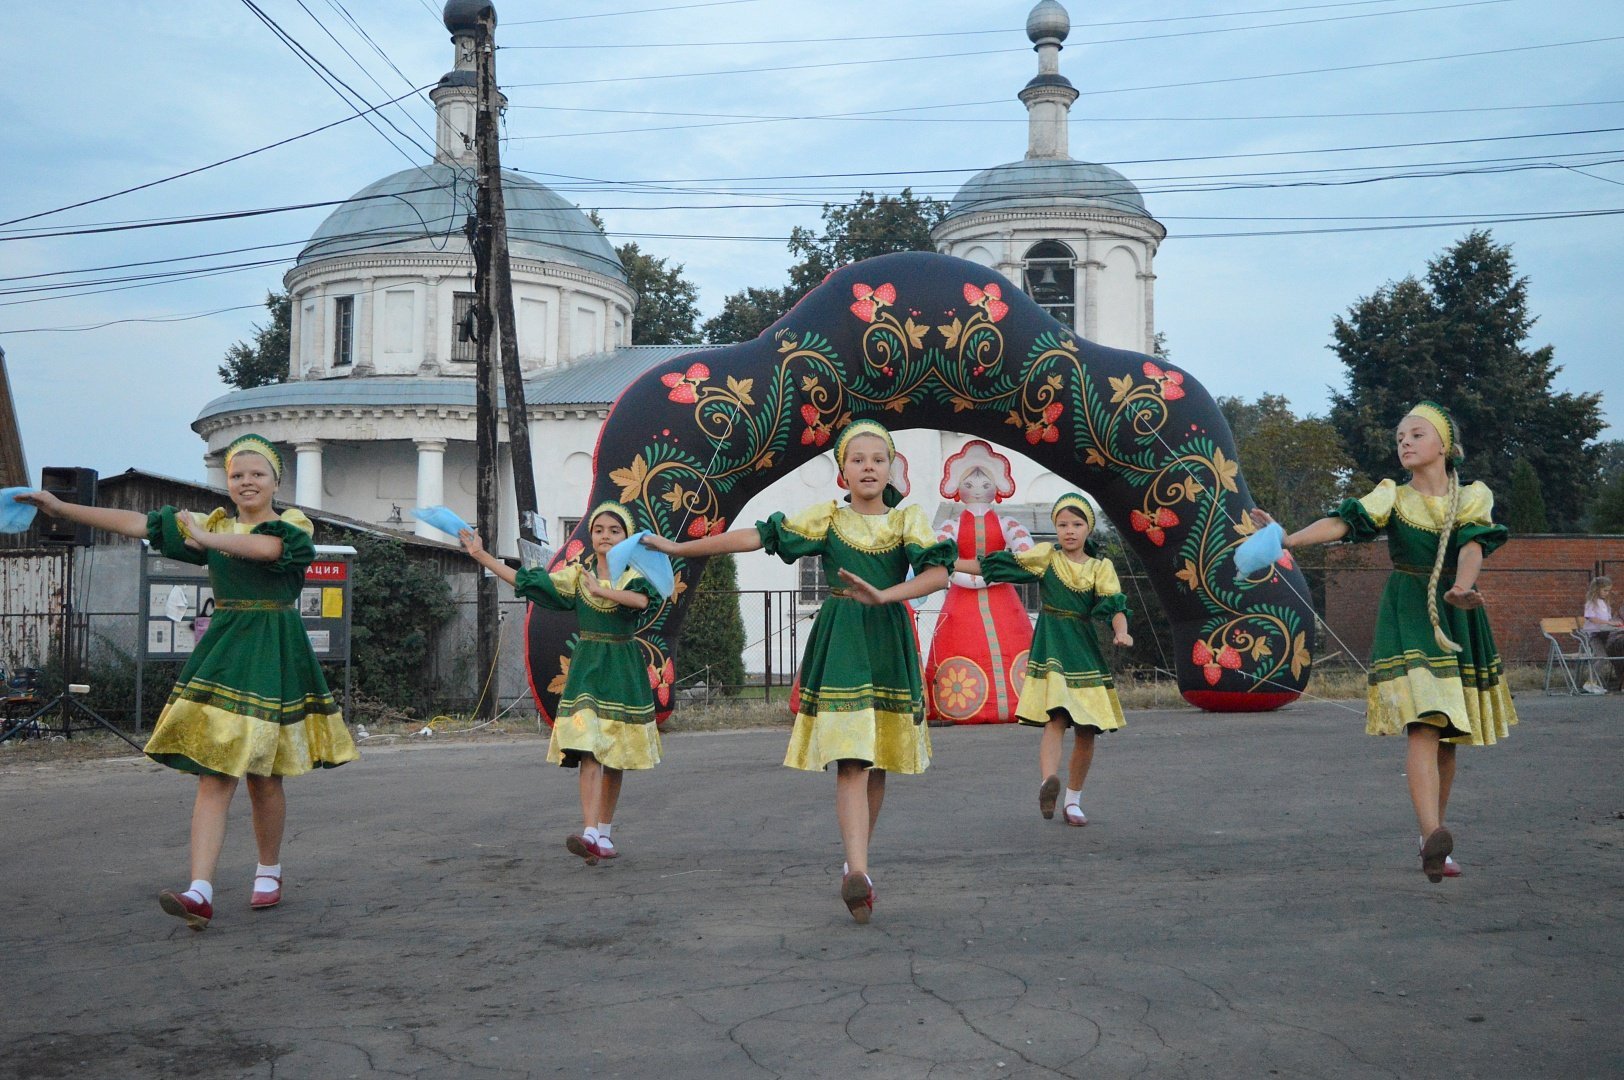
377,415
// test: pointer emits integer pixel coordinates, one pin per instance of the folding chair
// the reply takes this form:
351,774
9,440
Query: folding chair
1559,656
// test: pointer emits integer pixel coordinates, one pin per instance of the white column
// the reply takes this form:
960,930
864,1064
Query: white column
307,474
430,481
216,466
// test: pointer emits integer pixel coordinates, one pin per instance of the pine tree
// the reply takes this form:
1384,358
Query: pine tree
710,647
267,360
1525,506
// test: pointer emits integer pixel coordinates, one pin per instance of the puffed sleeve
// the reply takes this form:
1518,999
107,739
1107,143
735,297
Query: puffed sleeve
559,590
1109,599
1016,567
165,535
1016,538
1367,517
796,537
642,586
295,532
1475,524
924,550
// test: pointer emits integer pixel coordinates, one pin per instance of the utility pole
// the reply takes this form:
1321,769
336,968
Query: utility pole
498,294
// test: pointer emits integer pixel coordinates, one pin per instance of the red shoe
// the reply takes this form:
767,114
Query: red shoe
858,893
577,844
197,913
265,898
1451,867
606,849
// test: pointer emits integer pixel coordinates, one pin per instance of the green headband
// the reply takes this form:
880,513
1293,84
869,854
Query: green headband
255,444
862,427
1073,501
609,506
1442,422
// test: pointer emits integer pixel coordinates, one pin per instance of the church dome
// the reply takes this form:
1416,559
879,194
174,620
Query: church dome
422,209
1048,183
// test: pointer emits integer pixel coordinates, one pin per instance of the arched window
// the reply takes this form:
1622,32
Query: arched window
1051,279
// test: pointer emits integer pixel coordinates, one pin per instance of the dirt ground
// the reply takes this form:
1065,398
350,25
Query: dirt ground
1245,901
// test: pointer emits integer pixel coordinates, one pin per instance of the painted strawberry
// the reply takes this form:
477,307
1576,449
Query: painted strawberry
572,549
990,299
1173,386
809,413
1287,561
1201,654
685,384
1053,412
1139,520
1166,518
1051,434
871,299
1229,659
1213,673
1151,370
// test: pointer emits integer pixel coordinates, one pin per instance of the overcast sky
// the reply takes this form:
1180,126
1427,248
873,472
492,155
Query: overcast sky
1280,142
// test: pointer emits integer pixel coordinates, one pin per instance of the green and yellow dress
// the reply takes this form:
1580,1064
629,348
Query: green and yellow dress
252,699
1413,679
1065,669
862,690
607,708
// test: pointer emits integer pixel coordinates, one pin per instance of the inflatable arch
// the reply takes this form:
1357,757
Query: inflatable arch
924,340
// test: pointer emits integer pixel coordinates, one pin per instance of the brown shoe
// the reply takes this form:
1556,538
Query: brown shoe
1434,852
858,893
1048,795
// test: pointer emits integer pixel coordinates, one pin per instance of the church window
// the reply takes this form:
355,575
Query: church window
1051,279
343,331
463,345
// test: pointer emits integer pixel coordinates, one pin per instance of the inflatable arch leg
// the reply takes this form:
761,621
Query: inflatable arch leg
924,340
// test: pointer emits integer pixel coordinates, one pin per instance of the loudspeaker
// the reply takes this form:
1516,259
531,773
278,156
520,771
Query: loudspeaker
70,485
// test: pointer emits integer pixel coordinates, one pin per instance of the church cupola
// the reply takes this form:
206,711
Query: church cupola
456,97
1049,95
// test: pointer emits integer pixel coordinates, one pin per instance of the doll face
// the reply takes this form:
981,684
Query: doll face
1071,529
977,487
1419,443
607,531
250,481
867,466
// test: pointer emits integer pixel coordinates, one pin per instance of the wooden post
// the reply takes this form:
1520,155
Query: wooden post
499,282
487,634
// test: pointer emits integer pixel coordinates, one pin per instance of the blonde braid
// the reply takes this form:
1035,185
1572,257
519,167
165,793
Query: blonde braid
1438,565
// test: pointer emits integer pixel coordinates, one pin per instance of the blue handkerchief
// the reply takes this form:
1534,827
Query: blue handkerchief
1260,550
15,517
653,565
442,518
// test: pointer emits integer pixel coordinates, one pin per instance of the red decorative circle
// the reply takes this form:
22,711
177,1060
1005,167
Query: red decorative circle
960,688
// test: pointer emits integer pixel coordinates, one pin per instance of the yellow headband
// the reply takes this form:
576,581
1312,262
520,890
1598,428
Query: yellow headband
609,506
1440,421
255,444
1073,501
862,427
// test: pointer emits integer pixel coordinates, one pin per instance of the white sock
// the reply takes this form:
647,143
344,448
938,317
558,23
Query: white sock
274,873
202,890
604,828
590,835
1074,796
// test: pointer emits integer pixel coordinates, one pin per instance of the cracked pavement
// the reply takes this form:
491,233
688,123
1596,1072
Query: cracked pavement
1246,901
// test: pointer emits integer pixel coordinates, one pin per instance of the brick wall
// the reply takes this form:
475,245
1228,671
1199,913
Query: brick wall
1529,579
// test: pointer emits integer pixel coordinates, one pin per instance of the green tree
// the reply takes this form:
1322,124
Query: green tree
266,360
1458,339
1606,511
867,226
746,314
710,648
667,303
1295,467
398,606
1525,506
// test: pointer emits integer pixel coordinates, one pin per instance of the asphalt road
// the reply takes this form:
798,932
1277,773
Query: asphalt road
1246,901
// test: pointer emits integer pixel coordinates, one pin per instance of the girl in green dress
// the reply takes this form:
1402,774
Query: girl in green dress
251,701
1435,674
605,722
861,688
1068,683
